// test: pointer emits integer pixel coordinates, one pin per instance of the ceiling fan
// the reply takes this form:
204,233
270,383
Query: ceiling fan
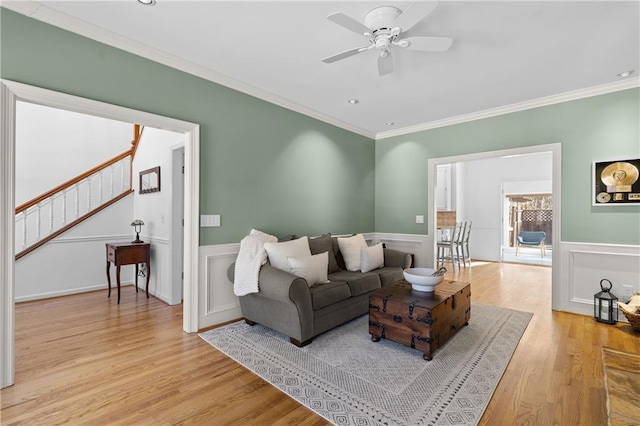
384,28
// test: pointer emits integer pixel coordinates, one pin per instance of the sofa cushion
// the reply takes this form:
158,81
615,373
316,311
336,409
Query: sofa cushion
327,294
389,275
278,252
371,258
322,244
312,268
350,248
358,282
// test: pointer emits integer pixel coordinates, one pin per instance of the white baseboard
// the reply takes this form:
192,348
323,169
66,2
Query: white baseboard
68,292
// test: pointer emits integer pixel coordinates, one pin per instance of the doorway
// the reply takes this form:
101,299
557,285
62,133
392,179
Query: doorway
527,212
10,93
555,153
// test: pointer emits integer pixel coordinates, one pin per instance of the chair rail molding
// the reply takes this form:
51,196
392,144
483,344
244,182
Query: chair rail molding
10,93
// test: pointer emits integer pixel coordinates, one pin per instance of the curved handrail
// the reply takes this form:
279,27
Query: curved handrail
24,206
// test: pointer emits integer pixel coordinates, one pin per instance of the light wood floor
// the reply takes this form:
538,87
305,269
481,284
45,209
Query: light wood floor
83,359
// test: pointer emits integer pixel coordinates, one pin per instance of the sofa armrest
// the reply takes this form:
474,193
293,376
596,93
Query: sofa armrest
397,258
283,286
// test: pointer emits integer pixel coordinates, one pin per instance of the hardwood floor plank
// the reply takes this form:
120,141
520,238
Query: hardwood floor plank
83,359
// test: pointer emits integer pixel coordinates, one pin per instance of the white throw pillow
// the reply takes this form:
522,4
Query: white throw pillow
278,252
350,248
371,258
312,268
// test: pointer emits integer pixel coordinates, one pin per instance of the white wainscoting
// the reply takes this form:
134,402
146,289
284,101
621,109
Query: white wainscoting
218,304
410,243
160,284
585,264
67,265
217,301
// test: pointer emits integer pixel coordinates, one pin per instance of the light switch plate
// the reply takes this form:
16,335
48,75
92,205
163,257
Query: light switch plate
420,218
209,220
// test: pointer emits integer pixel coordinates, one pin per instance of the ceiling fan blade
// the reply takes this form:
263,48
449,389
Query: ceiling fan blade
345,54
429,44
348,23
385,64
414,14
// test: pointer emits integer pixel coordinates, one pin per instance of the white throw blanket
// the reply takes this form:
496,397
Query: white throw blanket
251,257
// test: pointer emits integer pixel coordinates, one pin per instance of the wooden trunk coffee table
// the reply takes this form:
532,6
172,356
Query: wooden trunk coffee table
423,321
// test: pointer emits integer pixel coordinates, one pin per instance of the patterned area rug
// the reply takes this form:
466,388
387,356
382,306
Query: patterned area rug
350,380
622,383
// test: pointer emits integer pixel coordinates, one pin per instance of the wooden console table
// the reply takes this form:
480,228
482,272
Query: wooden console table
128,254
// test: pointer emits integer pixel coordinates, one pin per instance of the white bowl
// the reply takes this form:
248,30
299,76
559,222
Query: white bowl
421,279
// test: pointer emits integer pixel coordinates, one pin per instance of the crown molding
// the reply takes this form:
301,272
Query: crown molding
520,106
42,13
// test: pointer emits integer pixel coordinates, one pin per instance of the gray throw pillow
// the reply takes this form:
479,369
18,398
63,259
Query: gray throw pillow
321,244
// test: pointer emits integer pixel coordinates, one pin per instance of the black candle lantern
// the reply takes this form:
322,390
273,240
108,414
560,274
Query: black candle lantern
605,307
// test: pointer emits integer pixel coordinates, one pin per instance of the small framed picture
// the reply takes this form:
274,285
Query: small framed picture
616,182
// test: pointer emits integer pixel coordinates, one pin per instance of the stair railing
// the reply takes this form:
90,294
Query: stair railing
58,210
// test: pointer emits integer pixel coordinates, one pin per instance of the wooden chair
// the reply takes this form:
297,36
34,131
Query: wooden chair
449,250
534,239
464,245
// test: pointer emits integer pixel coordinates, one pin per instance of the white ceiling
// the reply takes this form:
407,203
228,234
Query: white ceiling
504,53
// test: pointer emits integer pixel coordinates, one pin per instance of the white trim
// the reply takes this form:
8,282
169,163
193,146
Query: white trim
7,249
89,238
520,106
556,152
67,292
11,92
42,13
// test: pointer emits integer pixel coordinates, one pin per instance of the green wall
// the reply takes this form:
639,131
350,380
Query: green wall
601,128
267,167
262,166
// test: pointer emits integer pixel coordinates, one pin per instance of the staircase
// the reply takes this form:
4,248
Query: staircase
56,211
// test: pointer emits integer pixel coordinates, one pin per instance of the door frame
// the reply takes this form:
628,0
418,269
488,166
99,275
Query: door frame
10,93
556,156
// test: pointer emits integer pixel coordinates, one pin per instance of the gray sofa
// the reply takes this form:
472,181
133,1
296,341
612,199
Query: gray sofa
287,304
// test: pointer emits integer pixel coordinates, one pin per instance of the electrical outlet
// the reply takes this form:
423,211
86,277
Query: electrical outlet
419,218
627,292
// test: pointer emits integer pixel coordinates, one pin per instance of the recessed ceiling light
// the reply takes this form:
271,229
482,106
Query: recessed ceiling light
625,74
147,2
353,101
389,123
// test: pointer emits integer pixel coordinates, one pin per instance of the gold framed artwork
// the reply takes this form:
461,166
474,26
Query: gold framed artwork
616,183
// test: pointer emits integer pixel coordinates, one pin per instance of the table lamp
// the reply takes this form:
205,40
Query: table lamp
137,226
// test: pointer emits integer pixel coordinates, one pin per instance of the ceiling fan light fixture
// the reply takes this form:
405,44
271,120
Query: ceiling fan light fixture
353,101
381,17
625,74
